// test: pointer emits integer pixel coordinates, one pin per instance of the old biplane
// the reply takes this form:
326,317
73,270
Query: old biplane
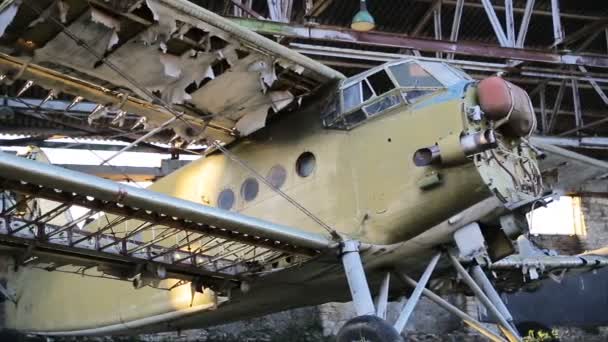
313,188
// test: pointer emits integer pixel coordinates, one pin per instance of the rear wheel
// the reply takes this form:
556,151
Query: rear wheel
368,329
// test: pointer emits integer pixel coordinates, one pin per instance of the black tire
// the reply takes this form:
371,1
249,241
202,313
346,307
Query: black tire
368,329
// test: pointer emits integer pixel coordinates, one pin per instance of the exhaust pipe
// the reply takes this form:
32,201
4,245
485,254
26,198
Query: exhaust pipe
478,142
469,144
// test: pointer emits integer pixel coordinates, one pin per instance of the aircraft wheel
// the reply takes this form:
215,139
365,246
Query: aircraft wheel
368,329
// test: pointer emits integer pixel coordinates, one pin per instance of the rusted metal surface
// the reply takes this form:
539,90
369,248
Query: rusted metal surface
339,34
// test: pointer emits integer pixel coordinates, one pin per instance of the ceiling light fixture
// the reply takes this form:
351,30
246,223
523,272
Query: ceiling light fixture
363,20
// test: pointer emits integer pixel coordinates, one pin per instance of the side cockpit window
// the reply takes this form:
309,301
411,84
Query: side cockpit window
356,94
351,96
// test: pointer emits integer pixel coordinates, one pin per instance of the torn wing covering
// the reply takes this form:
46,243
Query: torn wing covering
229,74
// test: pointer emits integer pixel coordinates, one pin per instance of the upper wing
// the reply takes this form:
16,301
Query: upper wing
221,76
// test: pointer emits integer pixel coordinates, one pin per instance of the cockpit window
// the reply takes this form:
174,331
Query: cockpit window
388,86
356,94
380,82
444,73
367,91
414,76
352,96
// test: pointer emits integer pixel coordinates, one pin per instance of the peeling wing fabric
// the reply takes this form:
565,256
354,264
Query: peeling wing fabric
253,121
223,74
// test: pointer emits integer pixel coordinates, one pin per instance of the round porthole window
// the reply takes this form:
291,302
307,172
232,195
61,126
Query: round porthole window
226,199
249,189
277,176
306,164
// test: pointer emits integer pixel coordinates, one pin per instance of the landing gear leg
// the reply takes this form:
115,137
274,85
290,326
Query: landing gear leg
368,326
471,245
470,321
484,297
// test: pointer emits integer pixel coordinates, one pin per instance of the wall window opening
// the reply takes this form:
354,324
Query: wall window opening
561,217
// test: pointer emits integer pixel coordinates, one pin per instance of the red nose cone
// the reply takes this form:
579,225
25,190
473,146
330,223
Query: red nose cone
497,98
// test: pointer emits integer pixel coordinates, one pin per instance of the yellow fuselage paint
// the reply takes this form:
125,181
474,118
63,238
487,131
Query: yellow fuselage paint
364,185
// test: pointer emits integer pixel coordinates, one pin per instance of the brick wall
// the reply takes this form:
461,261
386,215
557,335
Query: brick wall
563,244
595,216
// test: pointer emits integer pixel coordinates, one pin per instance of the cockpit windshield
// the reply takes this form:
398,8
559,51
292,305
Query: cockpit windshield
413,75
386,87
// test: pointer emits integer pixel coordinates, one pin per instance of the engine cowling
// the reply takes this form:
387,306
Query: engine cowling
508,105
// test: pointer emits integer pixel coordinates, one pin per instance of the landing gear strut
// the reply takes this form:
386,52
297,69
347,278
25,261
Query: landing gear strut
370,325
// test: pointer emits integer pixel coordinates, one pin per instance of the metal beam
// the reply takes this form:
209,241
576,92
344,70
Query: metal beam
578,114
376,38
246,9
496,26
557,105
562,152
425,18
510,22
437,26
349,57
586,31
319,7
558,32
456,24
525,24
543,108
476,4
595,86
580,142
589,125
280,10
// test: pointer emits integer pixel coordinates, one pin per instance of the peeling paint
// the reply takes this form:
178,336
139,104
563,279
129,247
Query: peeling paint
192,67
267,72
109,22
253,121
280,99
240,95
166,23
229,54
